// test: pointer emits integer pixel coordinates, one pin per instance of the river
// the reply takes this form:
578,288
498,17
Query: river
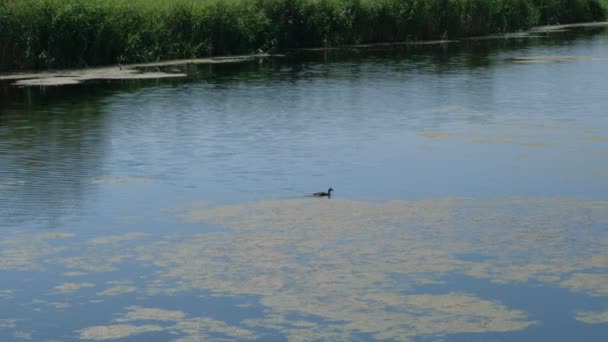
470,198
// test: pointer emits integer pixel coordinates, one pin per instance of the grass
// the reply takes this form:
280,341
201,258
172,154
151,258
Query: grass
67,33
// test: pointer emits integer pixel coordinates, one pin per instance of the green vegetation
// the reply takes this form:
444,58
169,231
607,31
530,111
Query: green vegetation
62,33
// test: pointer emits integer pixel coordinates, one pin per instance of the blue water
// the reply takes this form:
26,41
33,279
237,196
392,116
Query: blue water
465,120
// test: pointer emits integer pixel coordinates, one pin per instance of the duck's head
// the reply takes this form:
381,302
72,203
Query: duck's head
330,190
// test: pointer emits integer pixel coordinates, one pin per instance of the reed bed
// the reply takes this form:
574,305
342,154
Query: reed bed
77,33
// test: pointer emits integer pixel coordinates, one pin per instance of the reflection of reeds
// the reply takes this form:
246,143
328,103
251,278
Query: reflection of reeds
44,33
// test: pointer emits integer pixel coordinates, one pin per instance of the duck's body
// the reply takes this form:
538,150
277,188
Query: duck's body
323,194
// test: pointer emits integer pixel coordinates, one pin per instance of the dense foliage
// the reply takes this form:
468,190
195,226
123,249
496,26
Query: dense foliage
60,33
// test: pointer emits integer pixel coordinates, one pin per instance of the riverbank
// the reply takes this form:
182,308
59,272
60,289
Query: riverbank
41,34
156,70
138,71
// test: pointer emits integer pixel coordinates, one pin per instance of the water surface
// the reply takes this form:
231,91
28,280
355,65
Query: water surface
470,200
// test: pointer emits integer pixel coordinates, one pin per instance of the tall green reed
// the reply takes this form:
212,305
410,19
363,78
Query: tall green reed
67,33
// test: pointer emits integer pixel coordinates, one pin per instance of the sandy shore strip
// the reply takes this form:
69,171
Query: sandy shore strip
117,72
549,28
539,31
535,32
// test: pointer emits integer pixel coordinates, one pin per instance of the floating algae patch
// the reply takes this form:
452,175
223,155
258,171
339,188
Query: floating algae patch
341,269
22,335
532,144
492,141
7,323
562,27
592,317
45,303
205,329
401,317
99,255
76,77
174,322
116,331
137,313
117,290
560,128
73,274
593,284
466,309
91,263
435,135
514,35
23,251
7,294
111,239
122,72
450,109
324,259
545,59
593,138
122,180
519,140
72,287
554,59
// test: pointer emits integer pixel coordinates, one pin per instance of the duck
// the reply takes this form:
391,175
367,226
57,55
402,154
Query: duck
323,194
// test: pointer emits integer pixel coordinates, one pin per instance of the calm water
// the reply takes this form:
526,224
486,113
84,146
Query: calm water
470,204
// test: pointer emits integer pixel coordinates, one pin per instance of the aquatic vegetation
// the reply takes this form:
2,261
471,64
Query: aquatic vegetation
7,323
46,303
337,257
137,313
532,144
515,138
58,33
90,264
57,79
102,254
553,59
592,317
335,269
127,72
191,329
122,180
116,331
6,294
23,335
72,287
594,138
102,240
202,329
594,284
435,135
22,251
523,135
117,290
